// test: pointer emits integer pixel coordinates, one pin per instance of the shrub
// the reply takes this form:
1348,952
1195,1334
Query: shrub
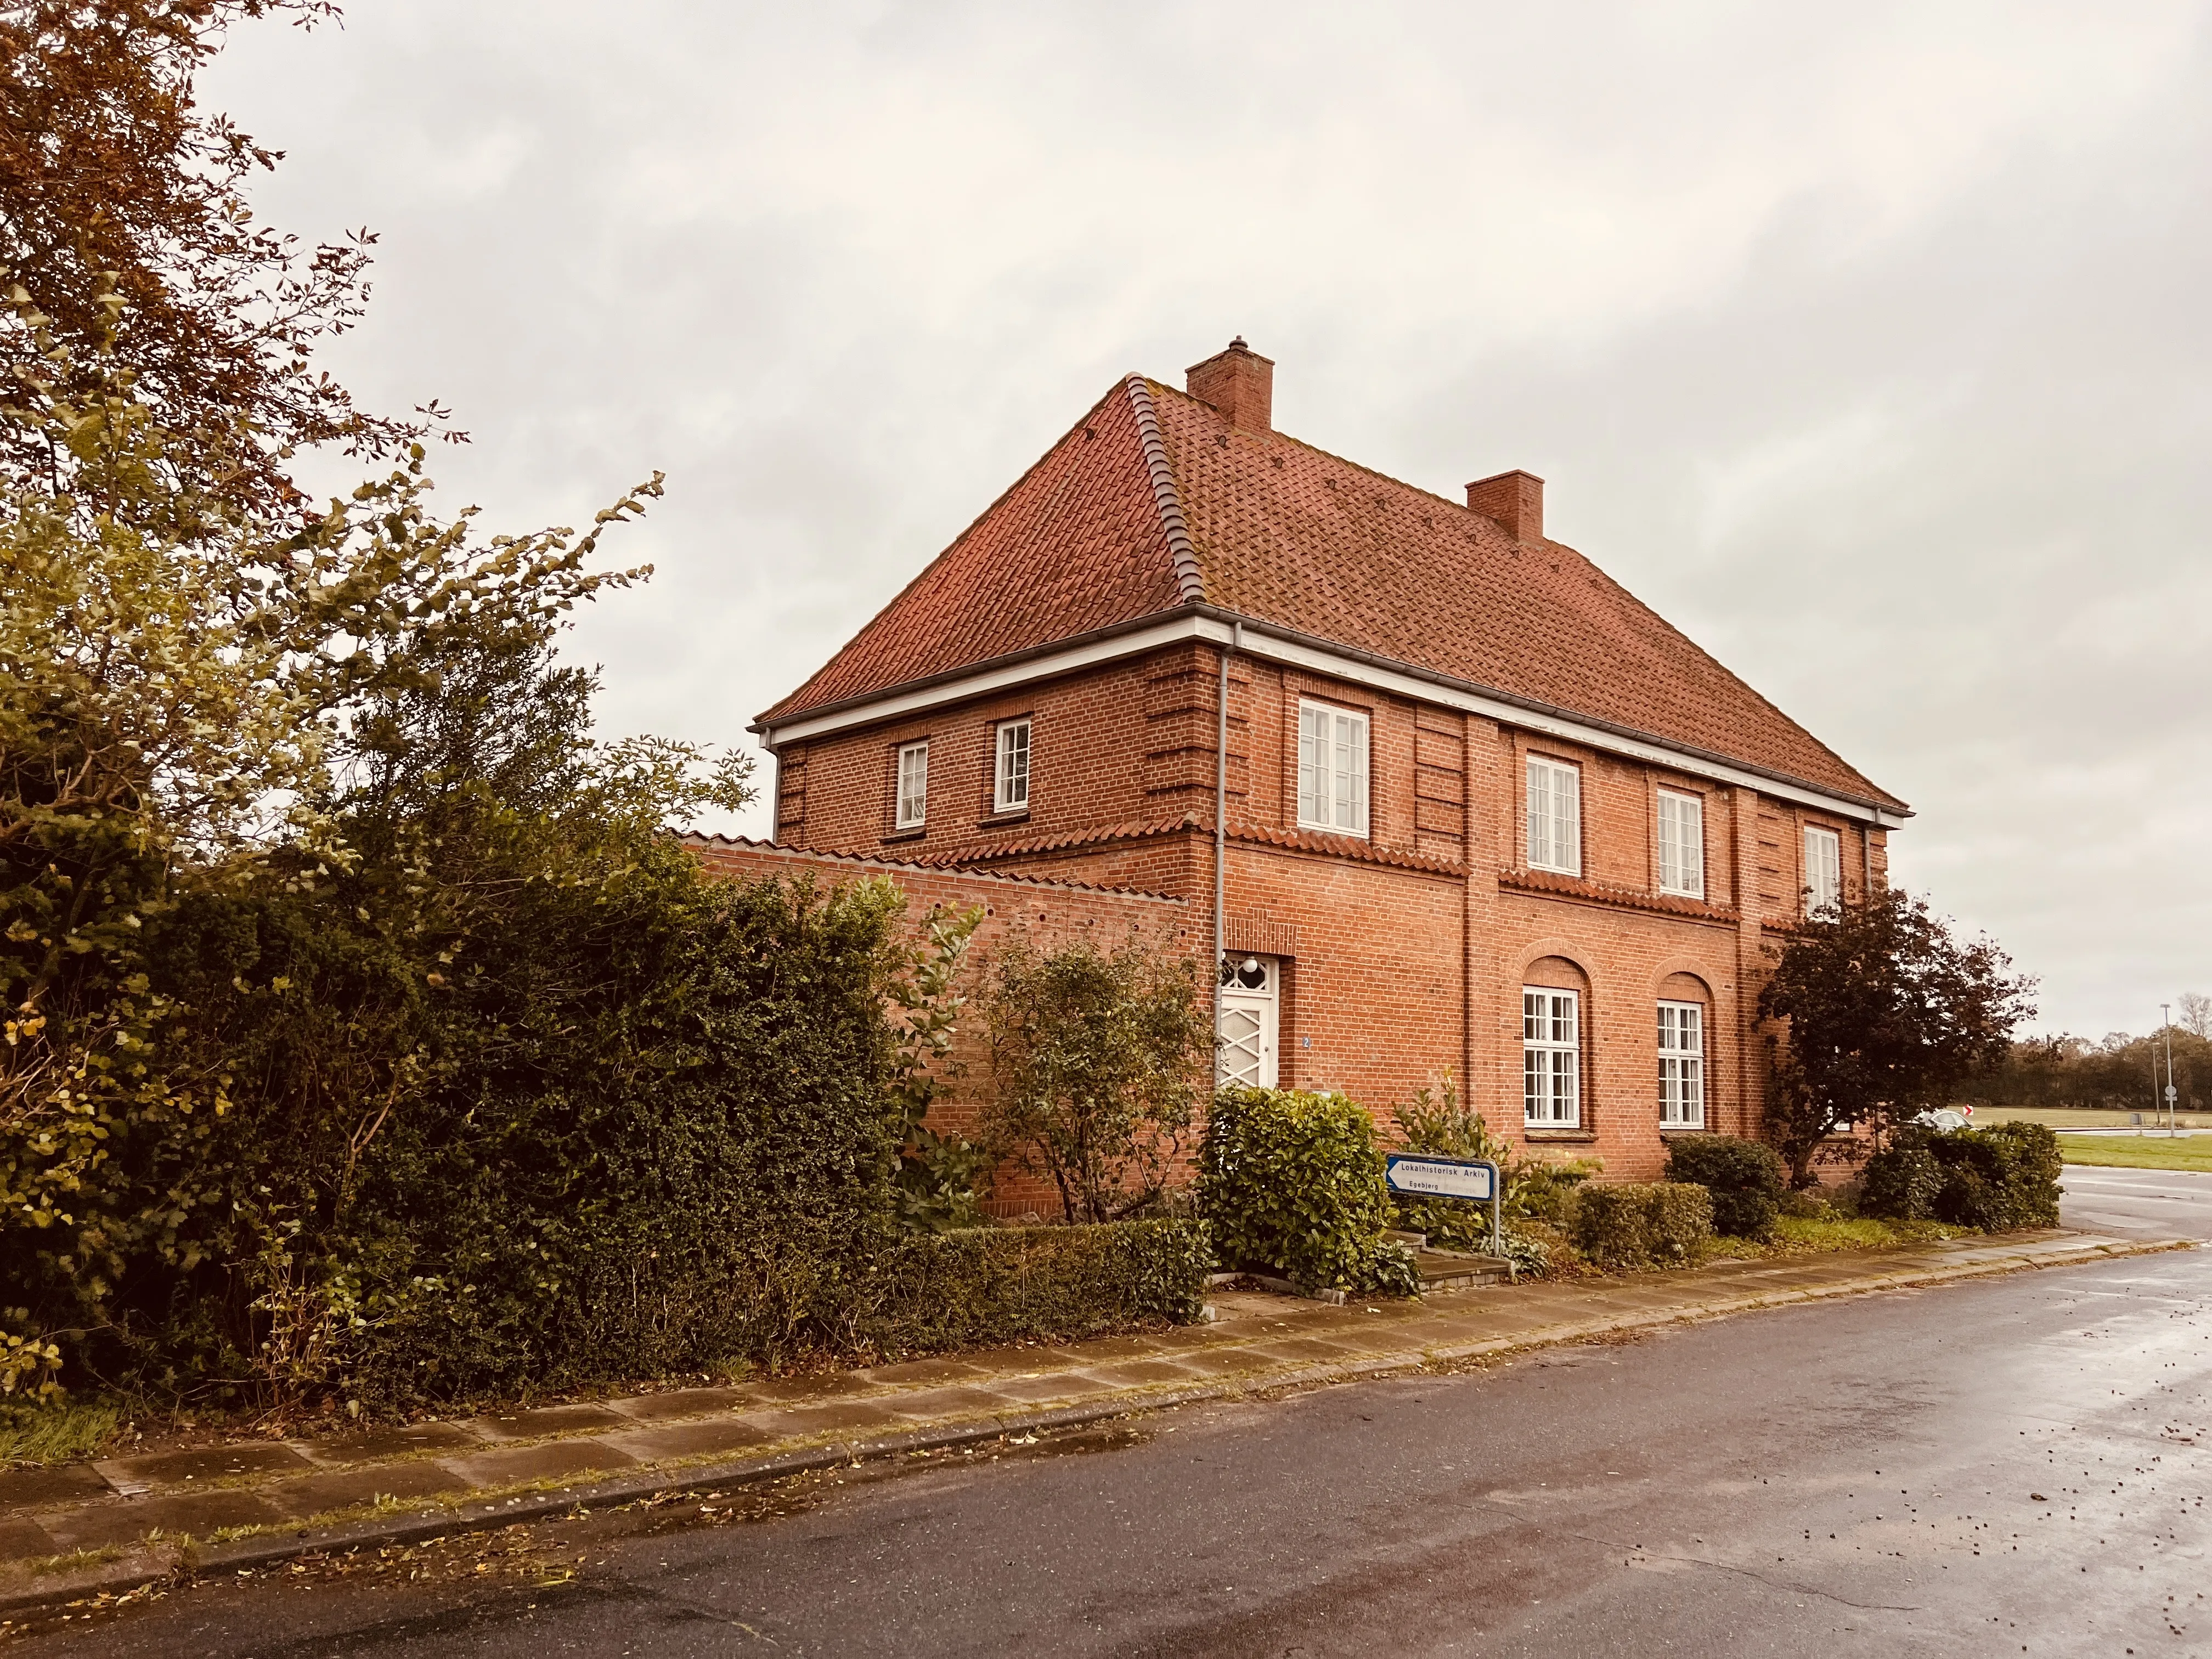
1746,1179
1530,1255
1292,1183
2009,1178
1640,1224
1810,1206
942,1177
1098,1060
979,1285
1541,1190
1901,1182
1997,1179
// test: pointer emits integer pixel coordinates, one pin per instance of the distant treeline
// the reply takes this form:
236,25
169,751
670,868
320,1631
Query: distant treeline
2117,1072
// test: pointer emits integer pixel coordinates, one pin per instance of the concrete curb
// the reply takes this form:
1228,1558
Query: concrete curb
150,1565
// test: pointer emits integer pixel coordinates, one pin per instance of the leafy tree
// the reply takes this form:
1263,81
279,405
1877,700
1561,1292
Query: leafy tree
2120,1073
1098,1060
363,1020
127,241
197,708
1886,1012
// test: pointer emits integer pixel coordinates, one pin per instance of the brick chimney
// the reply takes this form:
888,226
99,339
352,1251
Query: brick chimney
1515,499
1240,383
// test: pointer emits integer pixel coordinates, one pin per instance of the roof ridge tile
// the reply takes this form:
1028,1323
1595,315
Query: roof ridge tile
1080,536
1190,581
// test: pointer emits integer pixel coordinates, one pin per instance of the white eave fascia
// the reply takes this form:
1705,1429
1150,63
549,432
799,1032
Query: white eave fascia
1258,639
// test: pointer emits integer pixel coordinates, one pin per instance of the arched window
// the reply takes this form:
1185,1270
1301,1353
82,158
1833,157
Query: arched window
1552,1016
1684,1007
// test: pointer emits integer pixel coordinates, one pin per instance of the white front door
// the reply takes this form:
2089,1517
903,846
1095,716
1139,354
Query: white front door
1248,1020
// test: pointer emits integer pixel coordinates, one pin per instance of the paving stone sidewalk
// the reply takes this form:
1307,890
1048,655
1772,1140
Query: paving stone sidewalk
74,1529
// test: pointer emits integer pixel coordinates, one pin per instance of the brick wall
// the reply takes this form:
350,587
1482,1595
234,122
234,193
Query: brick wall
1131,742
1405,951
1053,913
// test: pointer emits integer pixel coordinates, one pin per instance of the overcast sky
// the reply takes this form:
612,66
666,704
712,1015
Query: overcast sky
1874,356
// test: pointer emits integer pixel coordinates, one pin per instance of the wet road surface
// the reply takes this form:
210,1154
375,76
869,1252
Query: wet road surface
2160,1203
1999,1467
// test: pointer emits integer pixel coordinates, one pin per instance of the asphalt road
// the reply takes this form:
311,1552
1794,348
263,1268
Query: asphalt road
2005,1466
2160,1203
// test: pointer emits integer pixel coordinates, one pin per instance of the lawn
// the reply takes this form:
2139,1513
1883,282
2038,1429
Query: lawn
2139,1152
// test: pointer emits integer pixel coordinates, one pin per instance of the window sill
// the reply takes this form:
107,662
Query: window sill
895,836
1555,870
1331,830
999,820
1668,1129
1528,1133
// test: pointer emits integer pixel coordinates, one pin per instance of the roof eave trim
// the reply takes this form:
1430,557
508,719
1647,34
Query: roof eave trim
1190,581
1885,810
1080,647
1213,624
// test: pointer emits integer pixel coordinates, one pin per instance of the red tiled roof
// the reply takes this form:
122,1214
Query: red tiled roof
1075,546
1266,528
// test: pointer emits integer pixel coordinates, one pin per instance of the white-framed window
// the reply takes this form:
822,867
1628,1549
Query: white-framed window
1681,844
1681,1066
1824,869
913,786
1011,792
1550,1058
1555,817
1332,769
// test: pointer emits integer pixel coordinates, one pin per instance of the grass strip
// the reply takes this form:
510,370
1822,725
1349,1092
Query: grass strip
57,1433
2139,1152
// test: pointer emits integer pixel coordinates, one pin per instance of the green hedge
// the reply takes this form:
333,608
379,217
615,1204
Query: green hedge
649,1138
1746,1179
1661,1224
1997,1179
979,1285
1292,1182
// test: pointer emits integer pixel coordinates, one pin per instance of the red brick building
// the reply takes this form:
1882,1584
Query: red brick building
1447,795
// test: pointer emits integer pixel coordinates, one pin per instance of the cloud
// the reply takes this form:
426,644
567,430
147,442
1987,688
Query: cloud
1871,351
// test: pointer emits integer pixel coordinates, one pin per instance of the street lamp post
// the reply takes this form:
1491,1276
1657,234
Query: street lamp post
2166,1025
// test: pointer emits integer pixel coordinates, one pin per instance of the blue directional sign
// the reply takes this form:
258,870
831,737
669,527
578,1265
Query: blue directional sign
1420,1177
